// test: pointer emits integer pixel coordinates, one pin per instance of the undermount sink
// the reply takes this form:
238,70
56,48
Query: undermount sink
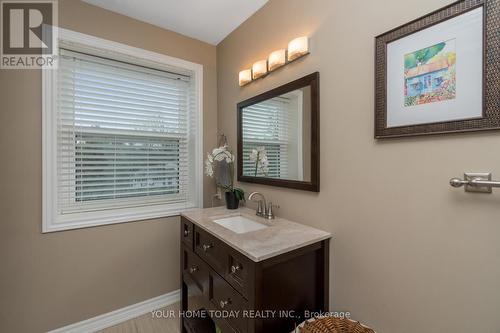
239,224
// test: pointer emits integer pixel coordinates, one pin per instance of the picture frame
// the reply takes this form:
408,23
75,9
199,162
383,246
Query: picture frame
440,73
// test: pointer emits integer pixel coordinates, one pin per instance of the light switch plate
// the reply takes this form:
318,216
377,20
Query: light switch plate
478,189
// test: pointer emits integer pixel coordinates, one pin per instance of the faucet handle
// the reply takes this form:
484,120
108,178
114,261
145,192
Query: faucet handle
260,208
269,210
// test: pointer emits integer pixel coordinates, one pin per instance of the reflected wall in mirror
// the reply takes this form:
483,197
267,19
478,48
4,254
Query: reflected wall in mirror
278,136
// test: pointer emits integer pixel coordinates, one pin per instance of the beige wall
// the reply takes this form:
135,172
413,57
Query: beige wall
51,280
410,254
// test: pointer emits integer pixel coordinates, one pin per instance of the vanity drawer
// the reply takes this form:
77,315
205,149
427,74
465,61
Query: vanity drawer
229,263
210,249
222,297
195,269
187,232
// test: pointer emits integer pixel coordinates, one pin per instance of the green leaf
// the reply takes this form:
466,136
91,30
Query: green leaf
239,193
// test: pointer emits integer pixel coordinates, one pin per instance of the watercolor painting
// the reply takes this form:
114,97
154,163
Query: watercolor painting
430,74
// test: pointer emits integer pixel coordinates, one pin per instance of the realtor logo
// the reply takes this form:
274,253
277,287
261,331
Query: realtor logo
28,34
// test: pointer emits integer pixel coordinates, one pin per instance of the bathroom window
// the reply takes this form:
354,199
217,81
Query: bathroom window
125,137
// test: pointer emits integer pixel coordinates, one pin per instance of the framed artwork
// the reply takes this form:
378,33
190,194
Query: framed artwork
440,74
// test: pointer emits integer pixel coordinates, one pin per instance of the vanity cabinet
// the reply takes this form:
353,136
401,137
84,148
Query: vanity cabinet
215,276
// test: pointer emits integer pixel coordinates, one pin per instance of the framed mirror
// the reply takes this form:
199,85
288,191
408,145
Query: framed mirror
278,136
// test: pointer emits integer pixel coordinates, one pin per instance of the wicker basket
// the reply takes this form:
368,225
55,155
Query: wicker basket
334,325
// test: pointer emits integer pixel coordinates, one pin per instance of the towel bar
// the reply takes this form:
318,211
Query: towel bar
476,182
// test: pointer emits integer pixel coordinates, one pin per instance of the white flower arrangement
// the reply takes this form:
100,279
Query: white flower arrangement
218,155
259,157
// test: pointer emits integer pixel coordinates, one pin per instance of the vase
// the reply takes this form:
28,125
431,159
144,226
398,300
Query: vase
231,201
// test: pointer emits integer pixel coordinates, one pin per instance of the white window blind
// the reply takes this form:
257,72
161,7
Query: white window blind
269,124
124,135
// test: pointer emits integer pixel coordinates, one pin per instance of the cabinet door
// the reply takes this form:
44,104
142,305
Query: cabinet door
195,271
227,301
195,291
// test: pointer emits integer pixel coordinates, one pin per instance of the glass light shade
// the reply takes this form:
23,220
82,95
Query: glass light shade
298,47
245,77
276,59
259,69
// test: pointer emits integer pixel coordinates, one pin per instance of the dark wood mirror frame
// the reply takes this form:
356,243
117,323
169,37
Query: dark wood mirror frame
311,80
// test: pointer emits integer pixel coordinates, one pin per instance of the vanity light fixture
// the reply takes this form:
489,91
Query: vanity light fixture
298,47
276,59
259,69
245,77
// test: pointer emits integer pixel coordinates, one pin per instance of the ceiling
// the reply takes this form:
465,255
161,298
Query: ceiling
207,20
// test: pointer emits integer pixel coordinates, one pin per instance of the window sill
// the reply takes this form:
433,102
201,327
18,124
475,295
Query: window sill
100,218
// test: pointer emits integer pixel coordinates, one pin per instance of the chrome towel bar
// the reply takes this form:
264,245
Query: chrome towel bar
475,182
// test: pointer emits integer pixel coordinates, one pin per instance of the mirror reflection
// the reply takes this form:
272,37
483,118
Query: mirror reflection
276,137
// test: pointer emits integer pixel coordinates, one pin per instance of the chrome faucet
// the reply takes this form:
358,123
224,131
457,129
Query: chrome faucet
261,204
263,209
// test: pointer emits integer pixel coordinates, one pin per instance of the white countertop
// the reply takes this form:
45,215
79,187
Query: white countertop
280,237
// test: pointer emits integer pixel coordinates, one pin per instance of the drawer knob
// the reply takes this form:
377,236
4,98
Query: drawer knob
193,269
235,268
224,303
207,247
186,232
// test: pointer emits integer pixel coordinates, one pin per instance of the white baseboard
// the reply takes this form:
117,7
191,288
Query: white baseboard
119,316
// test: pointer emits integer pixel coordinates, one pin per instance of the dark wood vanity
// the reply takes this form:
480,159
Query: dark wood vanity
253,275
216,277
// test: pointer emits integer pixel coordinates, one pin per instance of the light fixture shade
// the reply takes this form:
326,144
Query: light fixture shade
276,59
245,77
259,69
298,47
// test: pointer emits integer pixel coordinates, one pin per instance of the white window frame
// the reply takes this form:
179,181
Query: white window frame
51,220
